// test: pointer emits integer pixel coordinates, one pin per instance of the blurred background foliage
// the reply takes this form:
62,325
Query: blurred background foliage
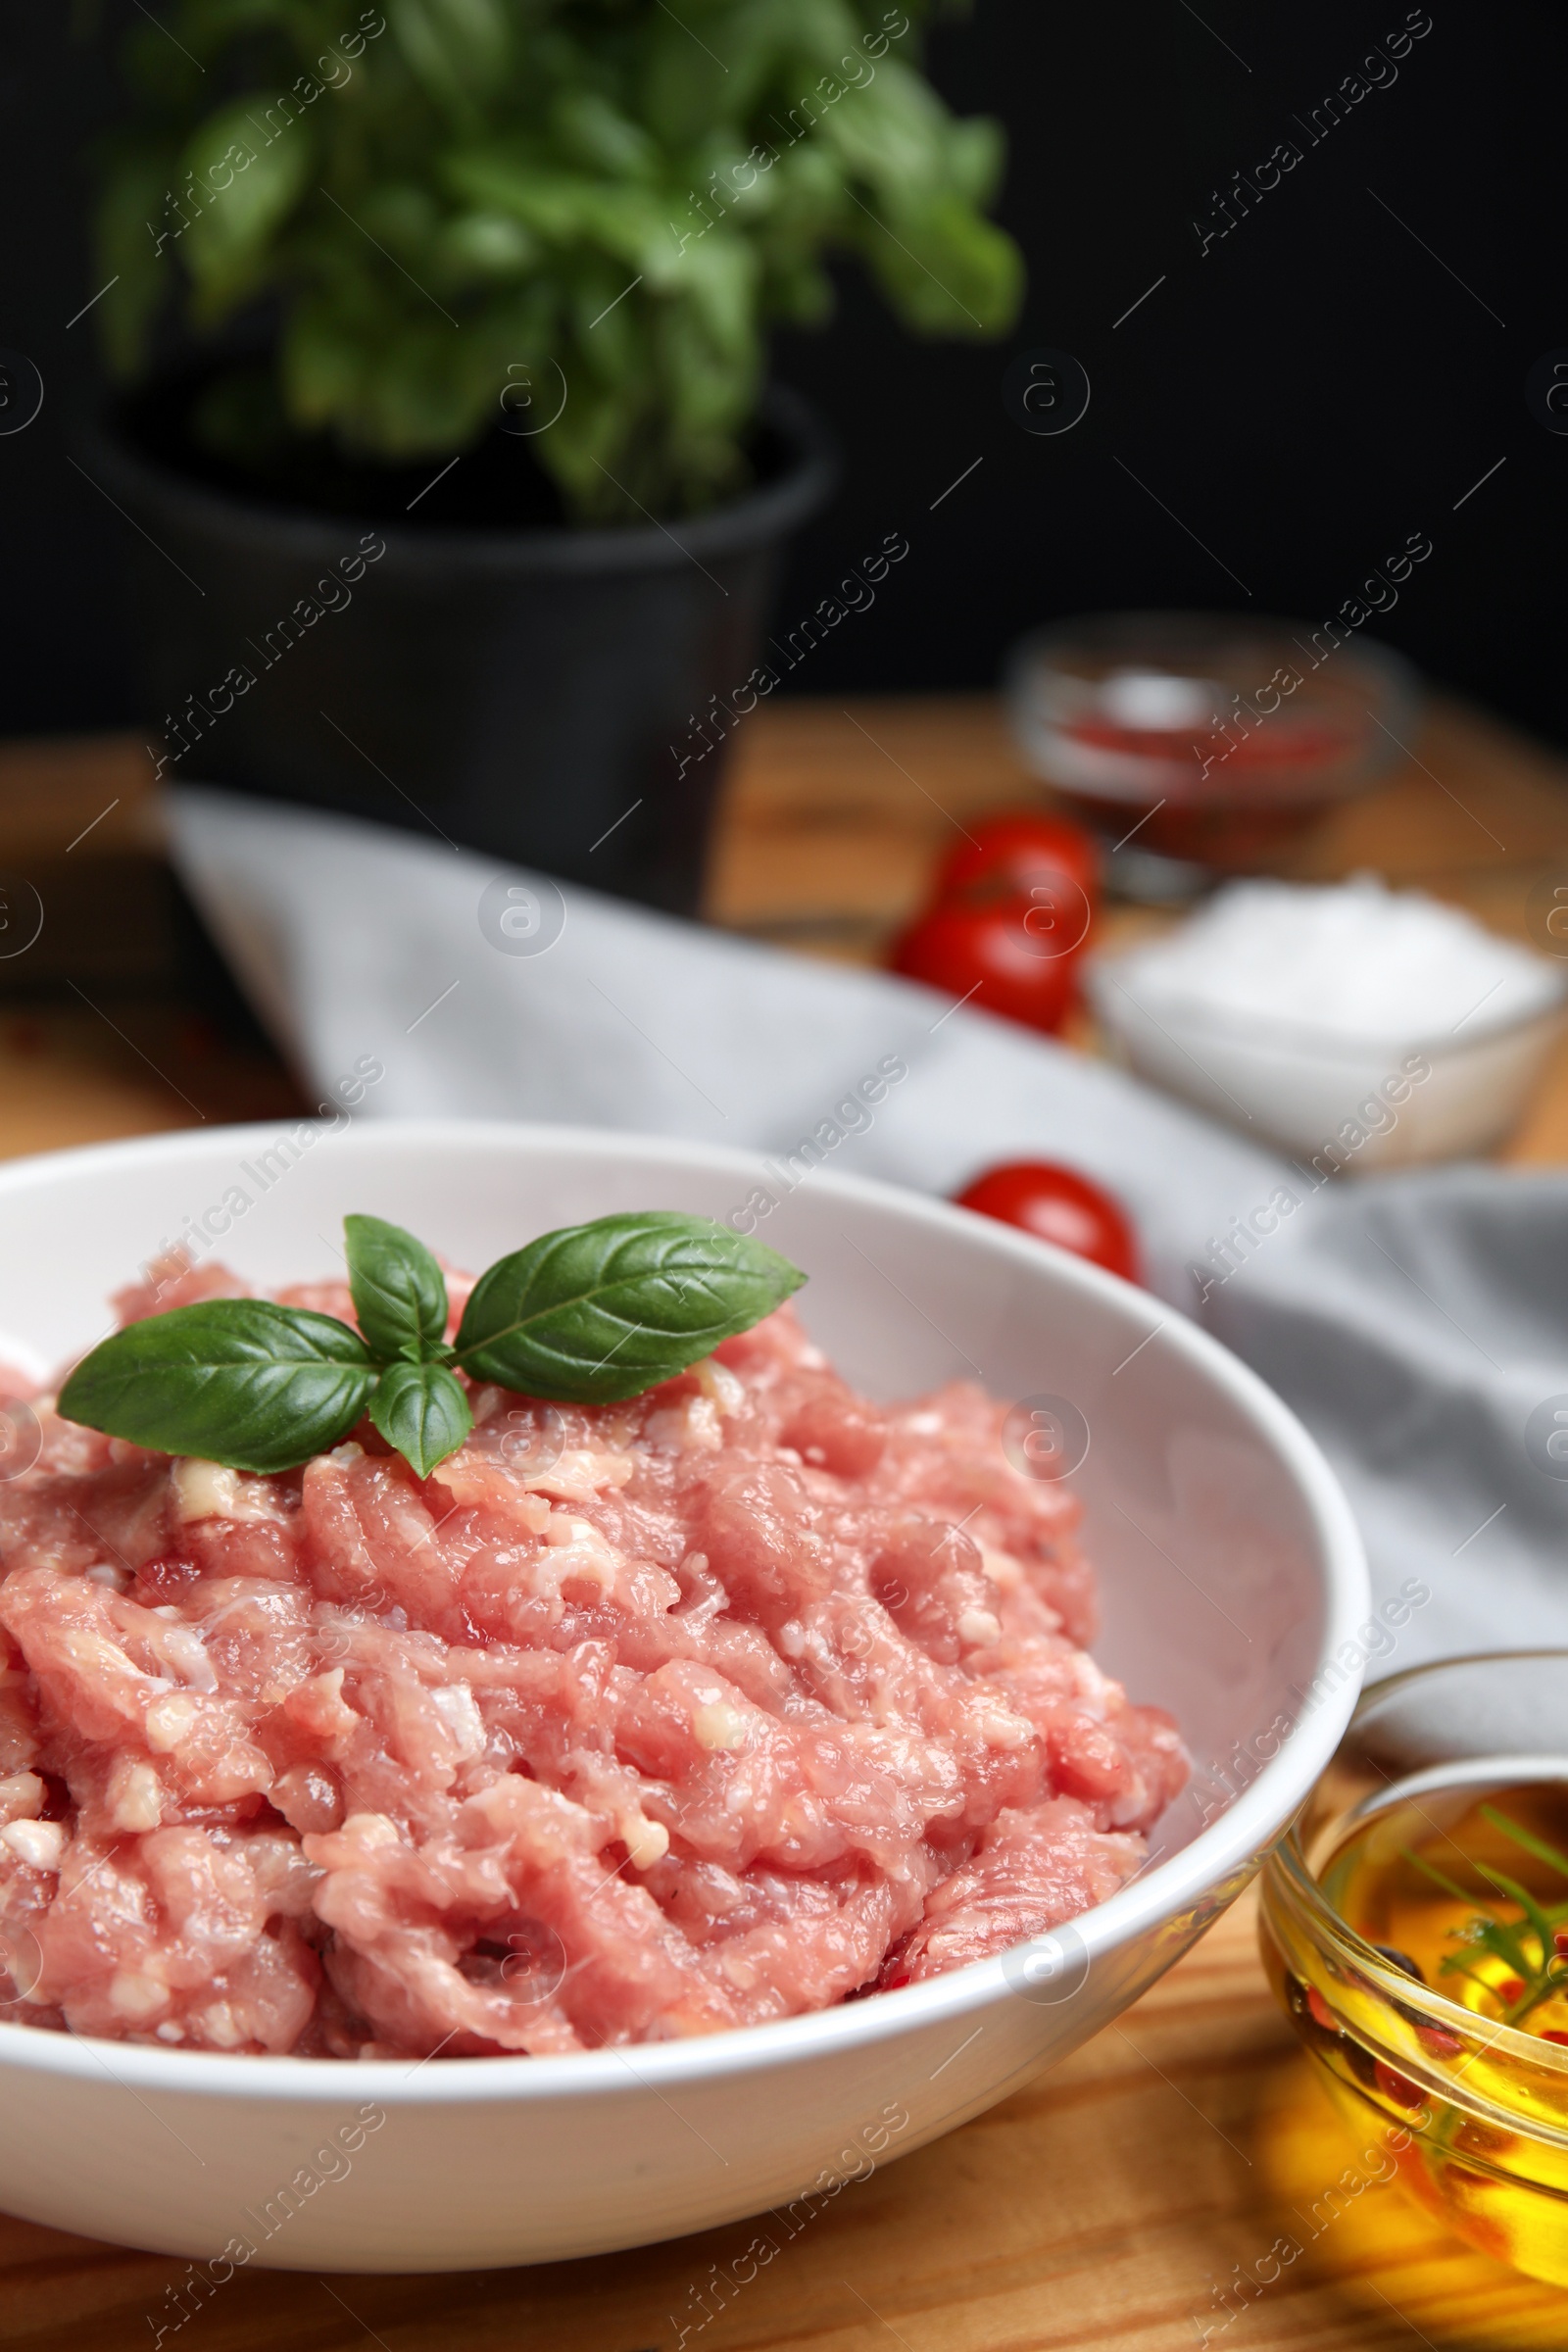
430,193
1300,396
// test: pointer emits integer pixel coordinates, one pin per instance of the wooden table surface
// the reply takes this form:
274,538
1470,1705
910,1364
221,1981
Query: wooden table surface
1107,2204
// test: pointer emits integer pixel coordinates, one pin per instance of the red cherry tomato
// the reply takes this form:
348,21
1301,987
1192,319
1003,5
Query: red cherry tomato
1017,850
1057,1205
1006,957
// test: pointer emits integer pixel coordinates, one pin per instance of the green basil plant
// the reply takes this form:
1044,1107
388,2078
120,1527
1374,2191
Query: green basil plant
575,218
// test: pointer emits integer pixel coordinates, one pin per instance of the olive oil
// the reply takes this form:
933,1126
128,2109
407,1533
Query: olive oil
1442,2014
1473,1903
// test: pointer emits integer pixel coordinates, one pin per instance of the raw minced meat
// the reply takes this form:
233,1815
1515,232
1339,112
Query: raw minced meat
632,1722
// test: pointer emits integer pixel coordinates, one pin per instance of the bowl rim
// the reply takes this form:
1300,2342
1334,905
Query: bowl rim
1221,1856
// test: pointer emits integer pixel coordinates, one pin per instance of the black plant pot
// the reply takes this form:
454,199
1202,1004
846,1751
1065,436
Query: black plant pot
529,692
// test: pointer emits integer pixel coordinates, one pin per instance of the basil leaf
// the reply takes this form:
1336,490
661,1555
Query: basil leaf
240,1380
421,1411
400,1293
597,1312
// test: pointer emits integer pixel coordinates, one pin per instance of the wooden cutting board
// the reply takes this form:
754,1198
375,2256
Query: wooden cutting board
1107,2205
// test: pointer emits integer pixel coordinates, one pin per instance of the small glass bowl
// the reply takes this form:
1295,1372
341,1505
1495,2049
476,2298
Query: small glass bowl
1183,736
1473,2113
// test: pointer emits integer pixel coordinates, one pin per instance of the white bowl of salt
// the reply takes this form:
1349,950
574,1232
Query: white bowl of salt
1356,1026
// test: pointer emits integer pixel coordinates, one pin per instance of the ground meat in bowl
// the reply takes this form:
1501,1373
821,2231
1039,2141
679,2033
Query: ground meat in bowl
632,1722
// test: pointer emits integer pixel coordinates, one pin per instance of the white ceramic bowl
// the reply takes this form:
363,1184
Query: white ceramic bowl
1291,1088
1231,1574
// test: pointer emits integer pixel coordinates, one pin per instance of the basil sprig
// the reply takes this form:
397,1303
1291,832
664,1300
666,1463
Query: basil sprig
399,1292
602,1311
587,1315
235,1380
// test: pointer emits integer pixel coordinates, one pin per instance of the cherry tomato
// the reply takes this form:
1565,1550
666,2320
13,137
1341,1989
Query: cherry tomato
1006,957
1057,1205
1016,852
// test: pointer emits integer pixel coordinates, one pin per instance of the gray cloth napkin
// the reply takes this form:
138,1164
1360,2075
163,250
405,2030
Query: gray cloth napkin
1419,1326
1415,1322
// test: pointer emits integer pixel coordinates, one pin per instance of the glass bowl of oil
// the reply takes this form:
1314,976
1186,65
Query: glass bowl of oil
1414,1927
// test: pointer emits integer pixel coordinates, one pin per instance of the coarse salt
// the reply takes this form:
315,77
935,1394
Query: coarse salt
1355,962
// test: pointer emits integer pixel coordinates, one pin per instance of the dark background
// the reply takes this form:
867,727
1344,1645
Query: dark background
1303,396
